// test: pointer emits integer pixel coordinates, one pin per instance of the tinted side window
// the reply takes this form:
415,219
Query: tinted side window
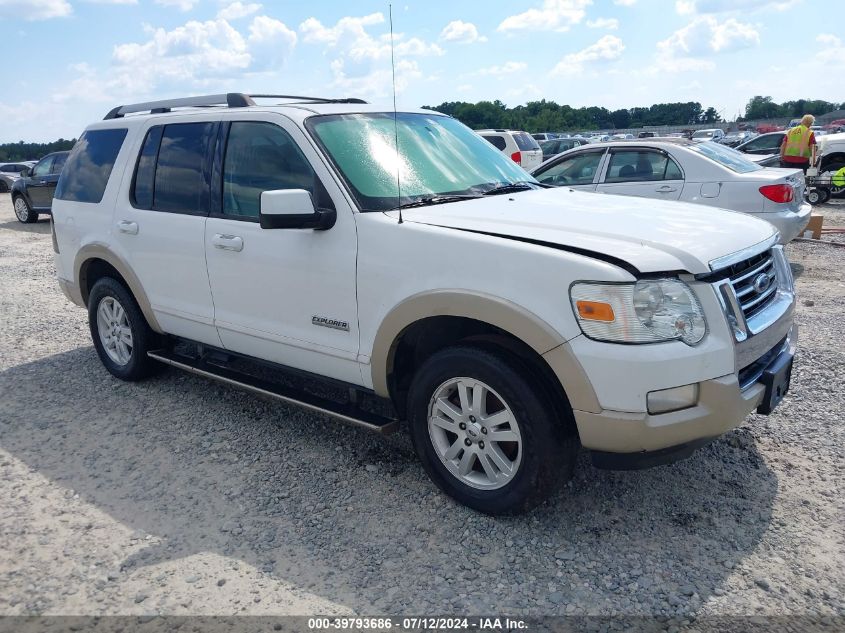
43,167
182,177
262,157
636,165
58,164
144,183
496,141
89,166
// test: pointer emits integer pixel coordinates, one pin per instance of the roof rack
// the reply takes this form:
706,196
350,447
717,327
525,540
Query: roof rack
231,100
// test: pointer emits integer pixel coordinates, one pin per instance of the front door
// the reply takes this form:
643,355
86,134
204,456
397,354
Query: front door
37,186
285,295
647,173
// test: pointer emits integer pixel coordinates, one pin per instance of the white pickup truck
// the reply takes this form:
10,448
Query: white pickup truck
275,246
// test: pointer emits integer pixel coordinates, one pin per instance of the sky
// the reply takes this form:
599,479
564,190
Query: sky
68,62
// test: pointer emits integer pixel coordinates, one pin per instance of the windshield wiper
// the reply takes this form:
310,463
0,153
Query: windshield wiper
432,200
510,187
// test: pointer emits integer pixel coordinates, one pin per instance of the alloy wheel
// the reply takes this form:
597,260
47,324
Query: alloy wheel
21,210
114,330
475,433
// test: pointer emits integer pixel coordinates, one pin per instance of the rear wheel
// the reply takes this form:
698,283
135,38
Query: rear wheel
23,211
486,432
120,333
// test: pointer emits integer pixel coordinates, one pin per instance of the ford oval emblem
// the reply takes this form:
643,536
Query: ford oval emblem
762,283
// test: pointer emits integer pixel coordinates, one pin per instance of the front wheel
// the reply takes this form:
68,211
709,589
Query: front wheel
24,212
120,332
486,431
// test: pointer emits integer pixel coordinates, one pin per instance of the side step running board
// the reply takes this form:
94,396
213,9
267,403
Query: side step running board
344,411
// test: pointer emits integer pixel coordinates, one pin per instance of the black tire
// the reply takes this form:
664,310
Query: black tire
824,192
549,445
144,339
24,212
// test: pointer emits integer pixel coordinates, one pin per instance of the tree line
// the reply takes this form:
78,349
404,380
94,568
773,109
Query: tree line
11,152
545,116
759,107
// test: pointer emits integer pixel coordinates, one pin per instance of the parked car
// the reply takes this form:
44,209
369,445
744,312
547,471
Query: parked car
544,136
9,173
763,144
835,126
831,153
736,138
697,171
556,146
708,135
520,146
621,137
646,135
33,192
508,323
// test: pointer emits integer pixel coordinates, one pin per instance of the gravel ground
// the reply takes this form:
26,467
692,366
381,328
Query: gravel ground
180,496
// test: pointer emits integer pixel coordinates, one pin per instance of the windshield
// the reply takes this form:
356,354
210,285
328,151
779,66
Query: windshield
725,156
438,156
703,134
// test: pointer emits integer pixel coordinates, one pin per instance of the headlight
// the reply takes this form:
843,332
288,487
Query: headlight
647,311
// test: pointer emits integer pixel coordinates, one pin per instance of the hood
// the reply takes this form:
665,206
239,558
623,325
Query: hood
649,235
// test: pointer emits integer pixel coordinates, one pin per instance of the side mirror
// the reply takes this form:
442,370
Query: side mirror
24,172
293,209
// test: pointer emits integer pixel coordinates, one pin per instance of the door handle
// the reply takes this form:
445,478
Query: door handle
228,242
128,227
665,189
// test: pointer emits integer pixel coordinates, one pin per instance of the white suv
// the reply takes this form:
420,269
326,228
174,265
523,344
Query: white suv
269,247
523,148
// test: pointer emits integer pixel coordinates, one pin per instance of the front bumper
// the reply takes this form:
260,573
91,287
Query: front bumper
638,440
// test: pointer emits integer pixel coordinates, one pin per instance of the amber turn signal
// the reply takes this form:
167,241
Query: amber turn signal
595,311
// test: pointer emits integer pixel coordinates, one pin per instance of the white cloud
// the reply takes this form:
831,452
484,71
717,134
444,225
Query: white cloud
505,69
237,10
691,47
197,54
362,61
609,48
462,32
625,3
833,51
182,5
688,7
270,42
603,23
35,9
554,15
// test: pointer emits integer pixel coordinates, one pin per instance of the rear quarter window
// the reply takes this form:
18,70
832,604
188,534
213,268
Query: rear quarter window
88,168
525,142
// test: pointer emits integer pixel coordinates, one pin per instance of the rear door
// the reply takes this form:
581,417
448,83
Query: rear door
577,170
160,225
642,172
37,185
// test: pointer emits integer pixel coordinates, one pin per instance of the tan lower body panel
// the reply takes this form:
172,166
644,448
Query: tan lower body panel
71,291
721,407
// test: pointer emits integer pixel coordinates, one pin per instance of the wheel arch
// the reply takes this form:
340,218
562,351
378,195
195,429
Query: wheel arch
836,157
430,321
94,261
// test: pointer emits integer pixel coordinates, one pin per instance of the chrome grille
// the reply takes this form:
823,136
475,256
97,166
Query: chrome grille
755,283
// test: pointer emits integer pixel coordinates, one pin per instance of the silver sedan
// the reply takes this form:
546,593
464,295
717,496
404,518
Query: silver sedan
678,169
